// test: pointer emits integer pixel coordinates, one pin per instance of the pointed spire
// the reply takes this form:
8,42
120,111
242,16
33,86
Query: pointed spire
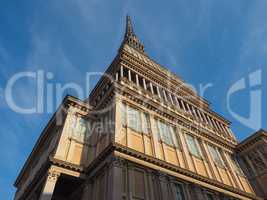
130,38
129,26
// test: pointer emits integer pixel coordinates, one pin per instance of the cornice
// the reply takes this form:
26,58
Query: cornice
157,76
106,99
101,157
66,165
180,170
38,176
77,103
41,139
102,80
251,140
173,116
125,150
52,175
62,109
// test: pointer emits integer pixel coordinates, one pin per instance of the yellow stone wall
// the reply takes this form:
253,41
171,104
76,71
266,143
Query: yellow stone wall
152,146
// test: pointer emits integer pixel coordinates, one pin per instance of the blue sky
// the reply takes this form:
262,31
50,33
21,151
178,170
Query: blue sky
203,41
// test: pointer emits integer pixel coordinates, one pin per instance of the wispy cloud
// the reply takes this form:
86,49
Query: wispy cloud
77,36
47,55
2,99
3,53
254,45
4,60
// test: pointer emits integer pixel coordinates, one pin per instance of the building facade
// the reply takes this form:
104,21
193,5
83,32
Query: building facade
252,154
141,134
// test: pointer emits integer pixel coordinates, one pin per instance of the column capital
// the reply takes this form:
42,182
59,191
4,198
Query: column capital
118,162
53,175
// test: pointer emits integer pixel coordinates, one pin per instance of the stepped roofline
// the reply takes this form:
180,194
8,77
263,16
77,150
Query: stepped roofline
131,38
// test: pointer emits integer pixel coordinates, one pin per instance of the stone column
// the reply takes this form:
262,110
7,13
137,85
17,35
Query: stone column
129,75
150,185
214,123
219,127
121,72
118,136
144,83
250,165
171,98
87,191
262,157
204,117
209,120
49,185
117,166
187,191
164,185
137,79
200,116
199,192
225,131
151,86
182,102
117,76
165,96
188,108
158,92
176,102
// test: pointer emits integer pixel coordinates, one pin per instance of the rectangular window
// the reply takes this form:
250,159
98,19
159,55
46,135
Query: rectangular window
216,155
193,145
123,114
164,132
174,137
80,128
167,134
237,167
179,192
146,124
134,119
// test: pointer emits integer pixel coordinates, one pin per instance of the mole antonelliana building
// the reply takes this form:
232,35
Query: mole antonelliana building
142,134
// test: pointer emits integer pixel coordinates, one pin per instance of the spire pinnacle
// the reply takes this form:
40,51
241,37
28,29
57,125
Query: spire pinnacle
129,26
130,38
